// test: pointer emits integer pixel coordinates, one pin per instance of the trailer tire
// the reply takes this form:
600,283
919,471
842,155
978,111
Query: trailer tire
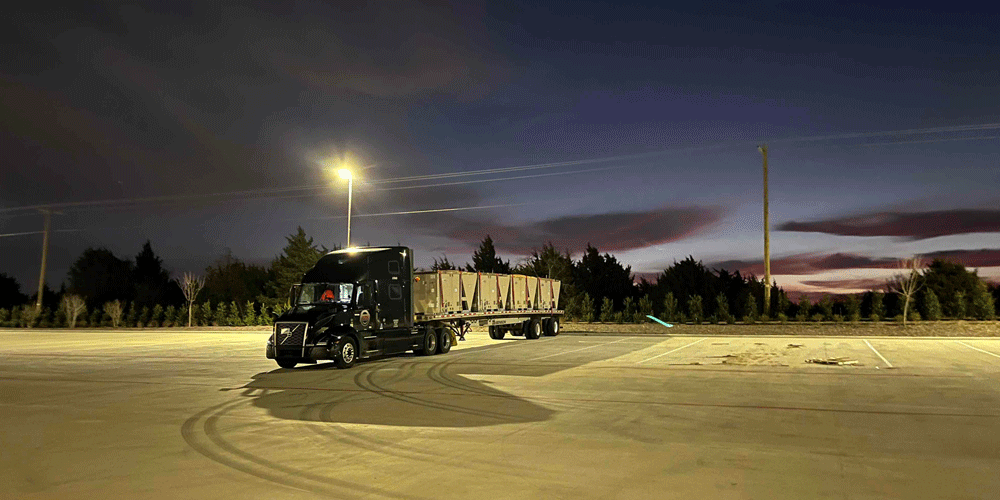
287,363
497,332
428,345
347,352
552,327
444,340
534,329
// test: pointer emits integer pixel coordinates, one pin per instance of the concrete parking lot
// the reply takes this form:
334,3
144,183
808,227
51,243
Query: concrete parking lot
168,414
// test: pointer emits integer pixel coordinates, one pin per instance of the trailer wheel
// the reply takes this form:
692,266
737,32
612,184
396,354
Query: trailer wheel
347,352
287,363
534,329
552,327
444,340
497,332
429,344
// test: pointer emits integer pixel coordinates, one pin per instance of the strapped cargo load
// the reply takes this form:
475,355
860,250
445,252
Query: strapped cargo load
468,294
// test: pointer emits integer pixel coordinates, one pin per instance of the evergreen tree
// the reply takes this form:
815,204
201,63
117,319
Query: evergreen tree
132,316
298,256
932,306
750,310
232,279
144,316
206,317
826,307
221,314
645,309
235,316
878,306
670,307
628,312
250,314
945,279
181,317
722,308
156,318
607,311
169,315
853,309
10,292
485,259
443,265
602,276
100,277
695,309
959,305
982,303
94,321
804,306
783,303
151,281
587,307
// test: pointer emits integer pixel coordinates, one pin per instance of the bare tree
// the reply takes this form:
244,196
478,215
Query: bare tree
191,285
907,282
114,309
74,306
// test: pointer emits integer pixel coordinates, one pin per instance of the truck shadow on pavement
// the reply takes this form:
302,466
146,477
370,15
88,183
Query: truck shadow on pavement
411,391
385,392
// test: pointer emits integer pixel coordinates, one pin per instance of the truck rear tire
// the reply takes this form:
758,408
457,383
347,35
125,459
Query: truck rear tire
497,332
534,329
347,352
444,340
287,363
428,345
552,327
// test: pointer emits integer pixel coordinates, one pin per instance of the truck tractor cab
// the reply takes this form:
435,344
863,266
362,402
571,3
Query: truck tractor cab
353,304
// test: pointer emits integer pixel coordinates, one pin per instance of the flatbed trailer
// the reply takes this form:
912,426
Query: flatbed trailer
359,303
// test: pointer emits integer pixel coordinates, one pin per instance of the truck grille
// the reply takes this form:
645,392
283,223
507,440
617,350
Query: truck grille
288,335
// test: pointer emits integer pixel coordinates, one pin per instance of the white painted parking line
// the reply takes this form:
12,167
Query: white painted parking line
668,352
887,363
978,349
575,350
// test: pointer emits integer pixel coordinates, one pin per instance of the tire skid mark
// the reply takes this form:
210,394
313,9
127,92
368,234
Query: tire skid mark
366,381
235,458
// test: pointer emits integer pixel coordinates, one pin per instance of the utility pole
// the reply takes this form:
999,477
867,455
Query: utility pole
45,254
767,240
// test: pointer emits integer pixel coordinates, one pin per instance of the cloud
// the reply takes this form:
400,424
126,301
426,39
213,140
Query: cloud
813,263
910,225
608,232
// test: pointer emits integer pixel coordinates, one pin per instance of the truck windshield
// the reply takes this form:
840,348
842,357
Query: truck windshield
325,293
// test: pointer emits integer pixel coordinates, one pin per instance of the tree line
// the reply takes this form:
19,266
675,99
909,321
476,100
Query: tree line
102,289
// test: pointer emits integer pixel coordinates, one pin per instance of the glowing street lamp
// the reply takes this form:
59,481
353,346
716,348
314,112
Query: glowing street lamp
346,174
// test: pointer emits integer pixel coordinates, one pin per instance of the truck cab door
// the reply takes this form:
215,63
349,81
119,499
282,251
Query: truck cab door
366,304
394,331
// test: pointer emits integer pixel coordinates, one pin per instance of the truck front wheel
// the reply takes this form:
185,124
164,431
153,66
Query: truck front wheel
347,352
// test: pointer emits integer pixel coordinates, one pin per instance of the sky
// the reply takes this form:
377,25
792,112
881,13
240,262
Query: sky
209,128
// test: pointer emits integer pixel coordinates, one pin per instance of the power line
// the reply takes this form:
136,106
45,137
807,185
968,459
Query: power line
104,204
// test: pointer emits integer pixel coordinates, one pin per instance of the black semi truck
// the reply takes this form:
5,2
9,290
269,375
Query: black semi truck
358,303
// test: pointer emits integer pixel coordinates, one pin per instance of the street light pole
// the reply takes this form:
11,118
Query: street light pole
350,194
767,240
346,174
45,254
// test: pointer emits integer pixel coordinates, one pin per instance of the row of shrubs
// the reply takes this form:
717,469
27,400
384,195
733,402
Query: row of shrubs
638,312
117,315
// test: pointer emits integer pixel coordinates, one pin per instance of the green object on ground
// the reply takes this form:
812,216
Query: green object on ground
668,325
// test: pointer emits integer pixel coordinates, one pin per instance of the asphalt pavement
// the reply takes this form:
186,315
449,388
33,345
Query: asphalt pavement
169,414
